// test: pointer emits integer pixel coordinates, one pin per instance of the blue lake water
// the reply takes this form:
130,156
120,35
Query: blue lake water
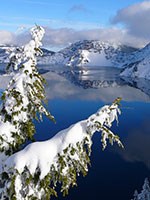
73,95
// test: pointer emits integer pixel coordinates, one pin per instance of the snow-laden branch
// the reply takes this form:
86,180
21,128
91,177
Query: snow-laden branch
33,173
38,168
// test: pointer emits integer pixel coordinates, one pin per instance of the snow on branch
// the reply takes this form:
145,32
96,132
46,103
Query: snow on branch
38,168
23,100
145,193
34,172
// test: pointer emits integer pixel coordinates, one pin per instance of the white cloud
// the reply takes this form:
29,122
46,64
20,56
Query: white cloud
79,8
136,30
136,19
6,37
62,37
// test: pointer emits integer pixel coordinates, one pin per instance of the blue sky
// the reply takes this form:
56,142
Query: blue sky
76,14
75,19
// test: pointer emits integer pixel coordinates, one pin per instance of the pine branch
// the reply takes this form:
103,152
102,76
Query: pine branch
39,167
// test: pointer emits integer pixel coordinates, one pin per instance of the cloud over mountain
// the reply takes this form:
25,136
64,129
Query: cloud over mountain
62,37
136,19
135,32
6,37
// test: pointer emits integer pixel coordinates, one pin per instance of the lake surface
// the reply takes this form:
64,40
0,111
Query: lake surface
73,95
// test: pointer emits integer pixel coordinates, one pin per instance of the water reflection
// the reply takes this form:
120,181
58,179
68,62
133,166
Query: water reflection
103,83
94,78
99,84
142,84
88,88
137,144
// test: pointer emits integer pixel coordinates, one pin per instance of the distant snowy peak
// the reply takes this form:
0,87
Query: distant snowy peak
139,65
139,69
3,54
83,53
96,53
134,62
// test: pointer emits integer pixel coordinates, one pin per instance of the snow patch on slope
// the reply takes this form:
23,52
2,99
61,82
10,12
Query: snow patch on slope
95,59
138,70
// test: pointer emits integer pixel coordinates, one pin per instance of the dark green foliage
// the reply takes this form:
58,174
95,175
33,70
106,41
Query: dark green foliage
3,96
70,163
35,92
4,175
28,129
22,104
23,101
11,190
72,166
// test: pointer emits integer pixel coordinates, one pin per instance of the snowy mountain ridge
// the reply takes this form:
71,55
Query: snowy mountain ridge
86,52
134,62
139,67
96,53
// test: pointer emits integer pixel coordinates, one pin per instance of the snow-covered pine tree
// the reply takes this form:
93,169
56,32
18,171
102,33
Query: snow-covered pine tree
33,173
135,195
145,193
23,99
